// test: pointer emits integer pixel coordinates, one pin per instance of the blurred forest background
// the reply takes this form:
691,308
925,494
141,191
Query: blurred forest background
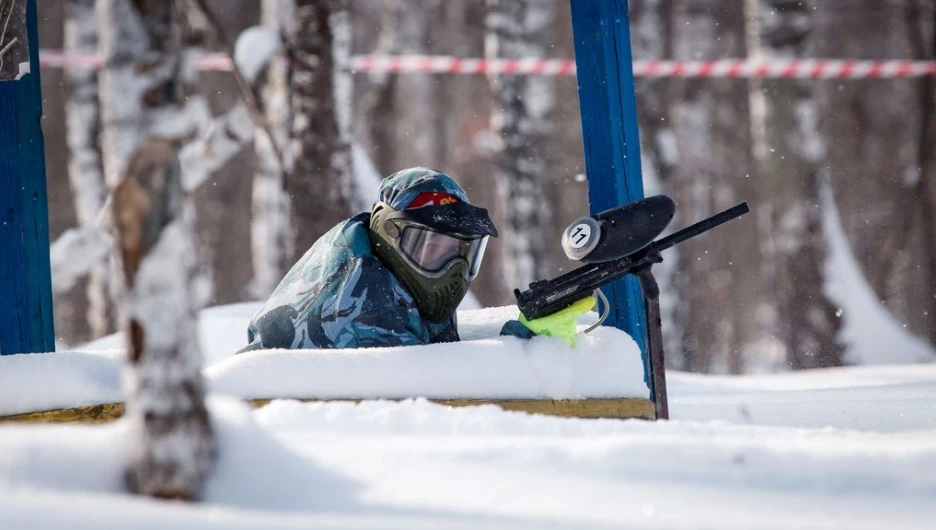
751,296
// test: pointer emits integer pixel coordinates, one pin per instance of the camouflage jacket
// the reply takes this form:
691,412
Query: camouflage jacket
339,295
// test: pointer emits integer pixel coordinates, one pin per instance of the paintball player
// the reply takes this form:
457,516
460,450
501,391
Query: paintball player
393,276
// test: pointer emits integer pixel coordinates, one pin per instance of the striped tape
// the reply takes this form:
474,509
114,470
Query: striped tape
439,64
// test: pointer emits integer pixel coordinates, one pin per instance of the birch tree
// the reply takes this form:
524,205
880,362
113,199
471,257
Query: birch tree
522,120
173,443
85,172
717,278
271,239
791,166
921,21
652,39
413,132
380,103
148,107
320,184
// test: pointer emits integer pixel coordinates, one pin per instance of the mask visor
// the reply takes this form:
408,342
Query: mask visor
432,251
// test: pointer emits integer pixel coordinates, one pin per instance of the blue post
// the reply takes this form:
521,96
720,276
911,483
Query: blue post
25,277
609,128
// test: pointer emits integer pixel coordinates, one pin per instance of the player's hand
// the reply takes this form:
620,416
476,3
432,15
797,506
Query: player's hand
561,323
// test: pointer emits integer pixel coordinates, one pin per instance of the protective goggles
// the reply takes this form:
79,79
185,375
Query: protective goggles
431,237
431,252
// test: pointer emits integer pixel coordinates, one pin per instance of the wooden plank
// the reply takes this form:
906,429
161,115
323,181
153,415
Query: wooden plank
25,276
615,408
103,413
609,130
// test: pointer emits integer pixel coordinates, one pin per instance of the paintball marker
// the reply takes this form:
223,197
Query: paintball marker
613,244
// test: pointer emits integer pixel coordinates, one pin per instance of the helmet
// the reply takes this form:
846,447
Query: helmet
427,234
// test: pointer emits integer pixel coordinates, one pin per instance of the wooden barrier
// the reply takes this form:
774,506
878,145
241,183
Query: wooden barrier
103,413
613,408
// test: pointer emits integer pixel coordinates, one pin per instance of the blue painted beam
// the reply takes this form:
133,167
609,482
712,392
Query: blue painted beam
609,129
25,277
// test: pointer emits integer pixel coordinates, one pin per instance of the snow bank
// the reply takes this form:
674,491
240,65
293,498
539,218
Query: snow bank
605,363
46,381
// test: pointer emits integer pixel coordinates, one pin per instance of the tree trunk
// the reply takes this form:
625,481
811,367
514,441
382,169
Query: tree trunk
85,171
142,81
716,281
173,445
807,323
652,39
522,121
270,237
381,113
880,160
923,38
320,185
146,114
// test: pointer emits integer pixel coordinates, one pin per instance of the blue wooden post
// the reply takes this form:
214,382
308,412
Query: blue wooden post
25,278
609,128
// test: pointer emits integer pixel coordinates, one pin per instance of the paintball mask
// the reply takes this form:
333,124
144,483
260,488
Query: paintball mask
434,250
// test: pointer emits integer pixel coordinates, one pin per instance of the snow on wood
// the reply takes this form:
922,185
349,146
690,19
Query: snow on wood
173,444
88,376
604,364
483,365
67,379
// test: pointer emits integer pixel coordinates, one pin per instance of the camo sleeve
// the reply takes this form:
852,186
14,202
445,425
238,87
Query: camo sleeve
369,309
513,328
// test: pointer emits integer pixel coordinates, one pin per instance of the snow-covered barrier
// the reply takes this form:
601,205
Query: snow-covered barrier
49,381
605,366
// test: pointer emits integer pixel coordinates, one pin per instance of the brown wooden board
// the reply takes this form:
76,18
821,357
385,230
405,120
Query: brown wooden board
614,408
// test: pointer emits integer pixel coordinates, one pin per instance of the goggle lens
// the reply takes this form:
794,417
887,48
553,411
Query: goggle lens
433,251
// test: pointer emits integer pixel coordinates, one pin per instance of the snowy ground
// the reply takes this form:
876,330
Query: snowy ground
845,448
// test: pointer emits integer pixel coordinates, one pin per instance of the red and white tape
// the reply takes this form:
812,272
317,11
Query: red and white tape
794,68
439,64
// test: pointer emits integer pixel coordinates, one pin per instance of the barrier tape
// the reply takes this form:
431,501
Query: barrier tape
440,64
